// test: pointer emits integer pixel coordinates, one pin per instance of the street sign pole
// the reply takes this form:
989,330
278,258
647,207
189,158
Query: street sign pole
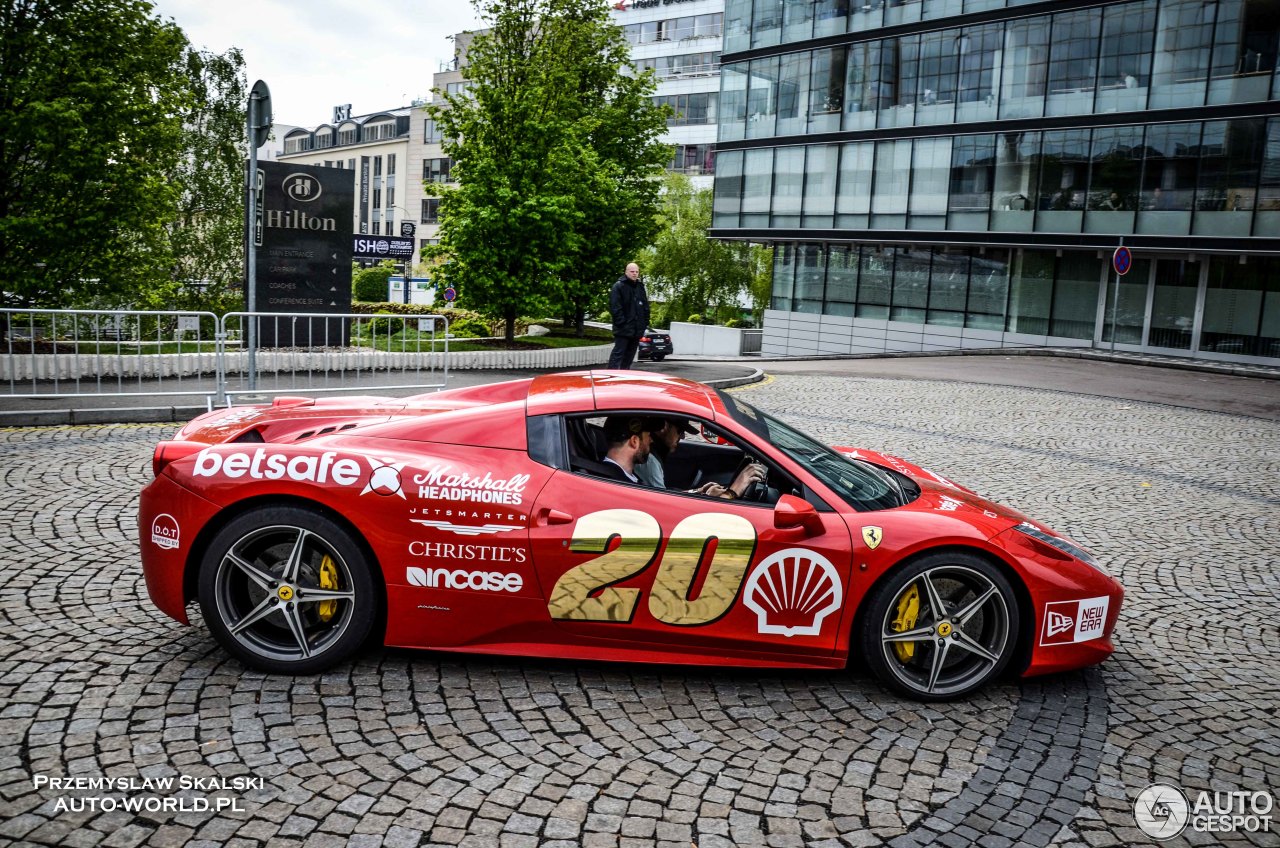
257,125
1121,261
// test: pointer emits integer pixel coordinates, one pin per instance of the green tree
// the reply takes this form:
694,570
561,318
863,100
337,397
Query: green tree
620,160
539,143
92,96
689,272
206,236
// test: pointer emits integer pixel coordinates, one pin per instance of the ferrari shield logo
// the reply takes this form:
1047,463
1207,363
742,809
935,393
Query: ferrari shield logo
872,536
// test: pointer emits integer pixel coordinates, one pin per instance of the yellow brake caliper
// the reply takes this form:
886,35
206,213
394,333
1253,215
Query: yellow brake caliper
329,580
908,612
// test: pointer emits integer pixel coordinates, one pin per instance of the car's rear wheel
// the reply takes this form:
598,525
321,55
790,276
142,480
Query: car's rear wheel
941,626
287,590
659,358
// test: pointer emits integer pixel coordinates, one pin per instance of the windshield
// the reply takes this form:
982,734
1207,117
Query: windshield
863,486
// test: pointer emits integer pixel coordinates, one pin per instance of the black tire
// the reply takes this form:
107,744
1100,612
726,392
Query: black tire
272,621
659,358
956,652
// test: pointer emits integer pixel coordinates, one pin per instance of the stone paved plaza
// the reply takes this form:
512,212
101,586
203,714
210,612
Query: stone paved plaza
411,748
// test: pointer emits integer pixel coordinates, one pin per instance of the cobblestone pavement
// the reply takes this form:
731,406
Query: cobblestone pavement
412,748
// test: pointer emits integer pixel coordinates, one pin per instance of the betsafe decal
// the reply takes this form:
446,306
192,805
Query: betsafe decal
791,591
264,464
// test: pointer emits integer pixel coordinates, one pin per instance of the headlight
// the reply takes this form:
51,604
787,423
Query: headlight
1061,544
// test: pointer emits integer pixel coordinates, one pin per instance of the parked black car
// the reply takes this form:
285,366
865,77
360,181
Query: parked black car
655,345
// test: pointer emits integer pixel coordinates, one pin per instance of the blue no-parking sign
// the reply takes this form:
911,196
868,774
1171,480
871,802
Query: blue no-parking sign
1122,260
450,294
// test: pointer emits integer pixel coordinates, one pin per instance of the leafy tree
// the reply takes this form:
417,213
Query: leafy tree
539,143
620,160
92,95
689,272
206,237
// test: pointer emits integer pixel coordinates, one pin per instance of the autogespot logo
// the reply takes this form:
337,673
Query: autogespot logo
1161,811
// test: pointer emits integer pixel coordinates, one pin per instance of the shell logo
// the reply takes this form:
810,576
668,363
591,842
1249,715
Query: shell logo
792,591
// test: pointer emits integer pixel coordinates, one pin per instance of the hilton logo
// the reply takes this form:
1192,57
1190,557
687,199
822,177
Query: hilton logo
302,187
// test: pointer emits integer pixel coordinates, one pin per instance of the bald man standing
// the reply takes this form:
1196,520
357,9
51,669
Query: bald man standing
629,308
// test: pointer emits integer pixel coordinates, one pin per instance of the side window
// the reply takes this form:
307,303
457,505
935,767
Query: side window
676,454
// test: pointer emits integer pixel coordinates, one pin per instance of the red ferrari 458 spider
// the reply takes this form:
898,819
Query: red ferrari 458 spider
503,519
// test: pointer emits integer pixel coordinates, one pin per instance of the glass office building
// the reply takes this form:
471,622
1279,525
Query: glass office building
939,174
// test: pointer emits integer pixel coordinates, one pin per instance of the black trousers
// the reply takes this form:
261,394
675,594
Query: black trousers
624,351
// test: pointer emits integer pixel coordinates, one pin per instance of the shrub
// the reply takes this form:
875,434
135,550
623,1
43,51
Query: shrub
370,284
388,326
696,318
733,323
470,328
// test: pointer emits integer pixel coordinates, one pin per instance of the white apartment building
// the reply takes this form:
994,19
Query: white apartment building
681,40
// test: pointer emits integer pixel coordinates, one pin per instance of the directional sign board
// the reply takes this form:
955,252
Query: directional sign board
381,247
304,264
1122,260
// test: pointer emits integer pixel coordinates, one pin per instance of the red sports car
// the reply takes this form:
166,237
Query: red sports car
503,519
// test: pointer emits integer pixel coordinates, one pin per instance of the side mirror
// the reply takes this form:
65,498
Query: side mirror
709,436
791,511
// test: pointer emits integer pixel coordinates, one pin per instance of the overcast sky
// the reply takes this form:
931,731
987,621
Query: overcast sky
317,54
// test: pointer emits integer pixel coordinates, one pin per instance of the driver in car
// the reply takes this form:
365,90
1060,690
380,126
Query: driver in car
665,437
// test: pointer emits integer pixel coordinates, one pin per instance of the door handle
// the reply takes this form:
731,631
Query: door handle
547,516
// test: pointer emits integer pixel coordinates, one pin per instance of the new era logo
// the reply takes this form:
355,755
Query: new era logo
1059,623
1068,622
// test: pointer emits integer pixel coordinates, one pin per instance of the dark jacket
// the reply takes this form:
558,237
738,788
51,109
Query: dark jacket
629,307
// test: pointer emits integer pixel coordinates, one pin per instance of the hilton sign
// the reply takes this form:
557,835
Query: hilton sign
304,256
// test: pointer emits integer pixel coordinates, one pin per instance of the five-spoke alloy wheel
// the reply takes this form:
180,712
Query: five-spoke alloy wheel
286,589
941,626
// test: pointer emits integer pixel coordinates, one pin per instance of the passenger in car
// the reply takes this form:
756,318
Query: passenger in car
630,439
665,437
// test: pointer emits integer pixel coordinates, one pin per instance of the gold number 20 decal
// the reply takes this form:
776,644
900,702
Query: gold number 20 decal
669,600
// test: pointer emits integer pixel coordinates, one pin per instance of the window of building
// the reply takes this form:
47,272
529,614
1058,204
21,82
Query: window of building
821,168
347,135
977,83
1073,64
377,166
430,132
811,274
1075,296
377,198
972,178
1124,63
1245,42
728,190
1114,177
784,276
377,228
766,22
324,138
842,281
853,192
910,286
788,187
391,164
948,287
875,279
297,144
826,89
1064,180
391,200
892,184
457,88
1025,74
1242,307
1230,159
430,210
436,170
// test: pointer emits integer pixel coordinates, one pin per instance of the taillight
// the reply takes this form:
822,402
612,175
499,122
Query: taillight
645,338
167,452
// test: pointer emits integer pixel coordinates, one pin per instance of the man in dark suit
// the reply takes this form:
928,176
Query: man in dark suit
629,309
630,439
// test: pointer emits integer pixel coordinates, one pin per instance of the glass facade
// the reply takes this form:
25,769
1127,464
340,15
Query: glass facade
1213,178
1127,57
971,170
1041,293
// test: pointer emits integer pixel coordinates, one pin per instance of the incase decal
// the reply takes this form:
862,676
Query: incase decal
481,581
1068,622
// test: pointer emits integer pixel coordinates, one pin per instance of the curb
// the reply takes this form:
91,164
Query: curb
1261,372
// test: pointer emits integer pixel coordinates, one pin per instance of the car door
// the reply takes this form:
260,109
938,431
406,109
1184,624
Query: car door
686,576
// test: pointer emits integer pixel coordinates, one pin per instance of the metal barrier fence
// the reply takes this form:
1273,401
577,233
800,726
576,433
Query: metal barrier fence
69,352
74,353
323,352
751,342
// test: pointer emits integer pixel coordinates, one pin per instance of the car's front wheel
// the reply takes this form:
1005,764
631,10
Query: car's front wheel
941,627
287,590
